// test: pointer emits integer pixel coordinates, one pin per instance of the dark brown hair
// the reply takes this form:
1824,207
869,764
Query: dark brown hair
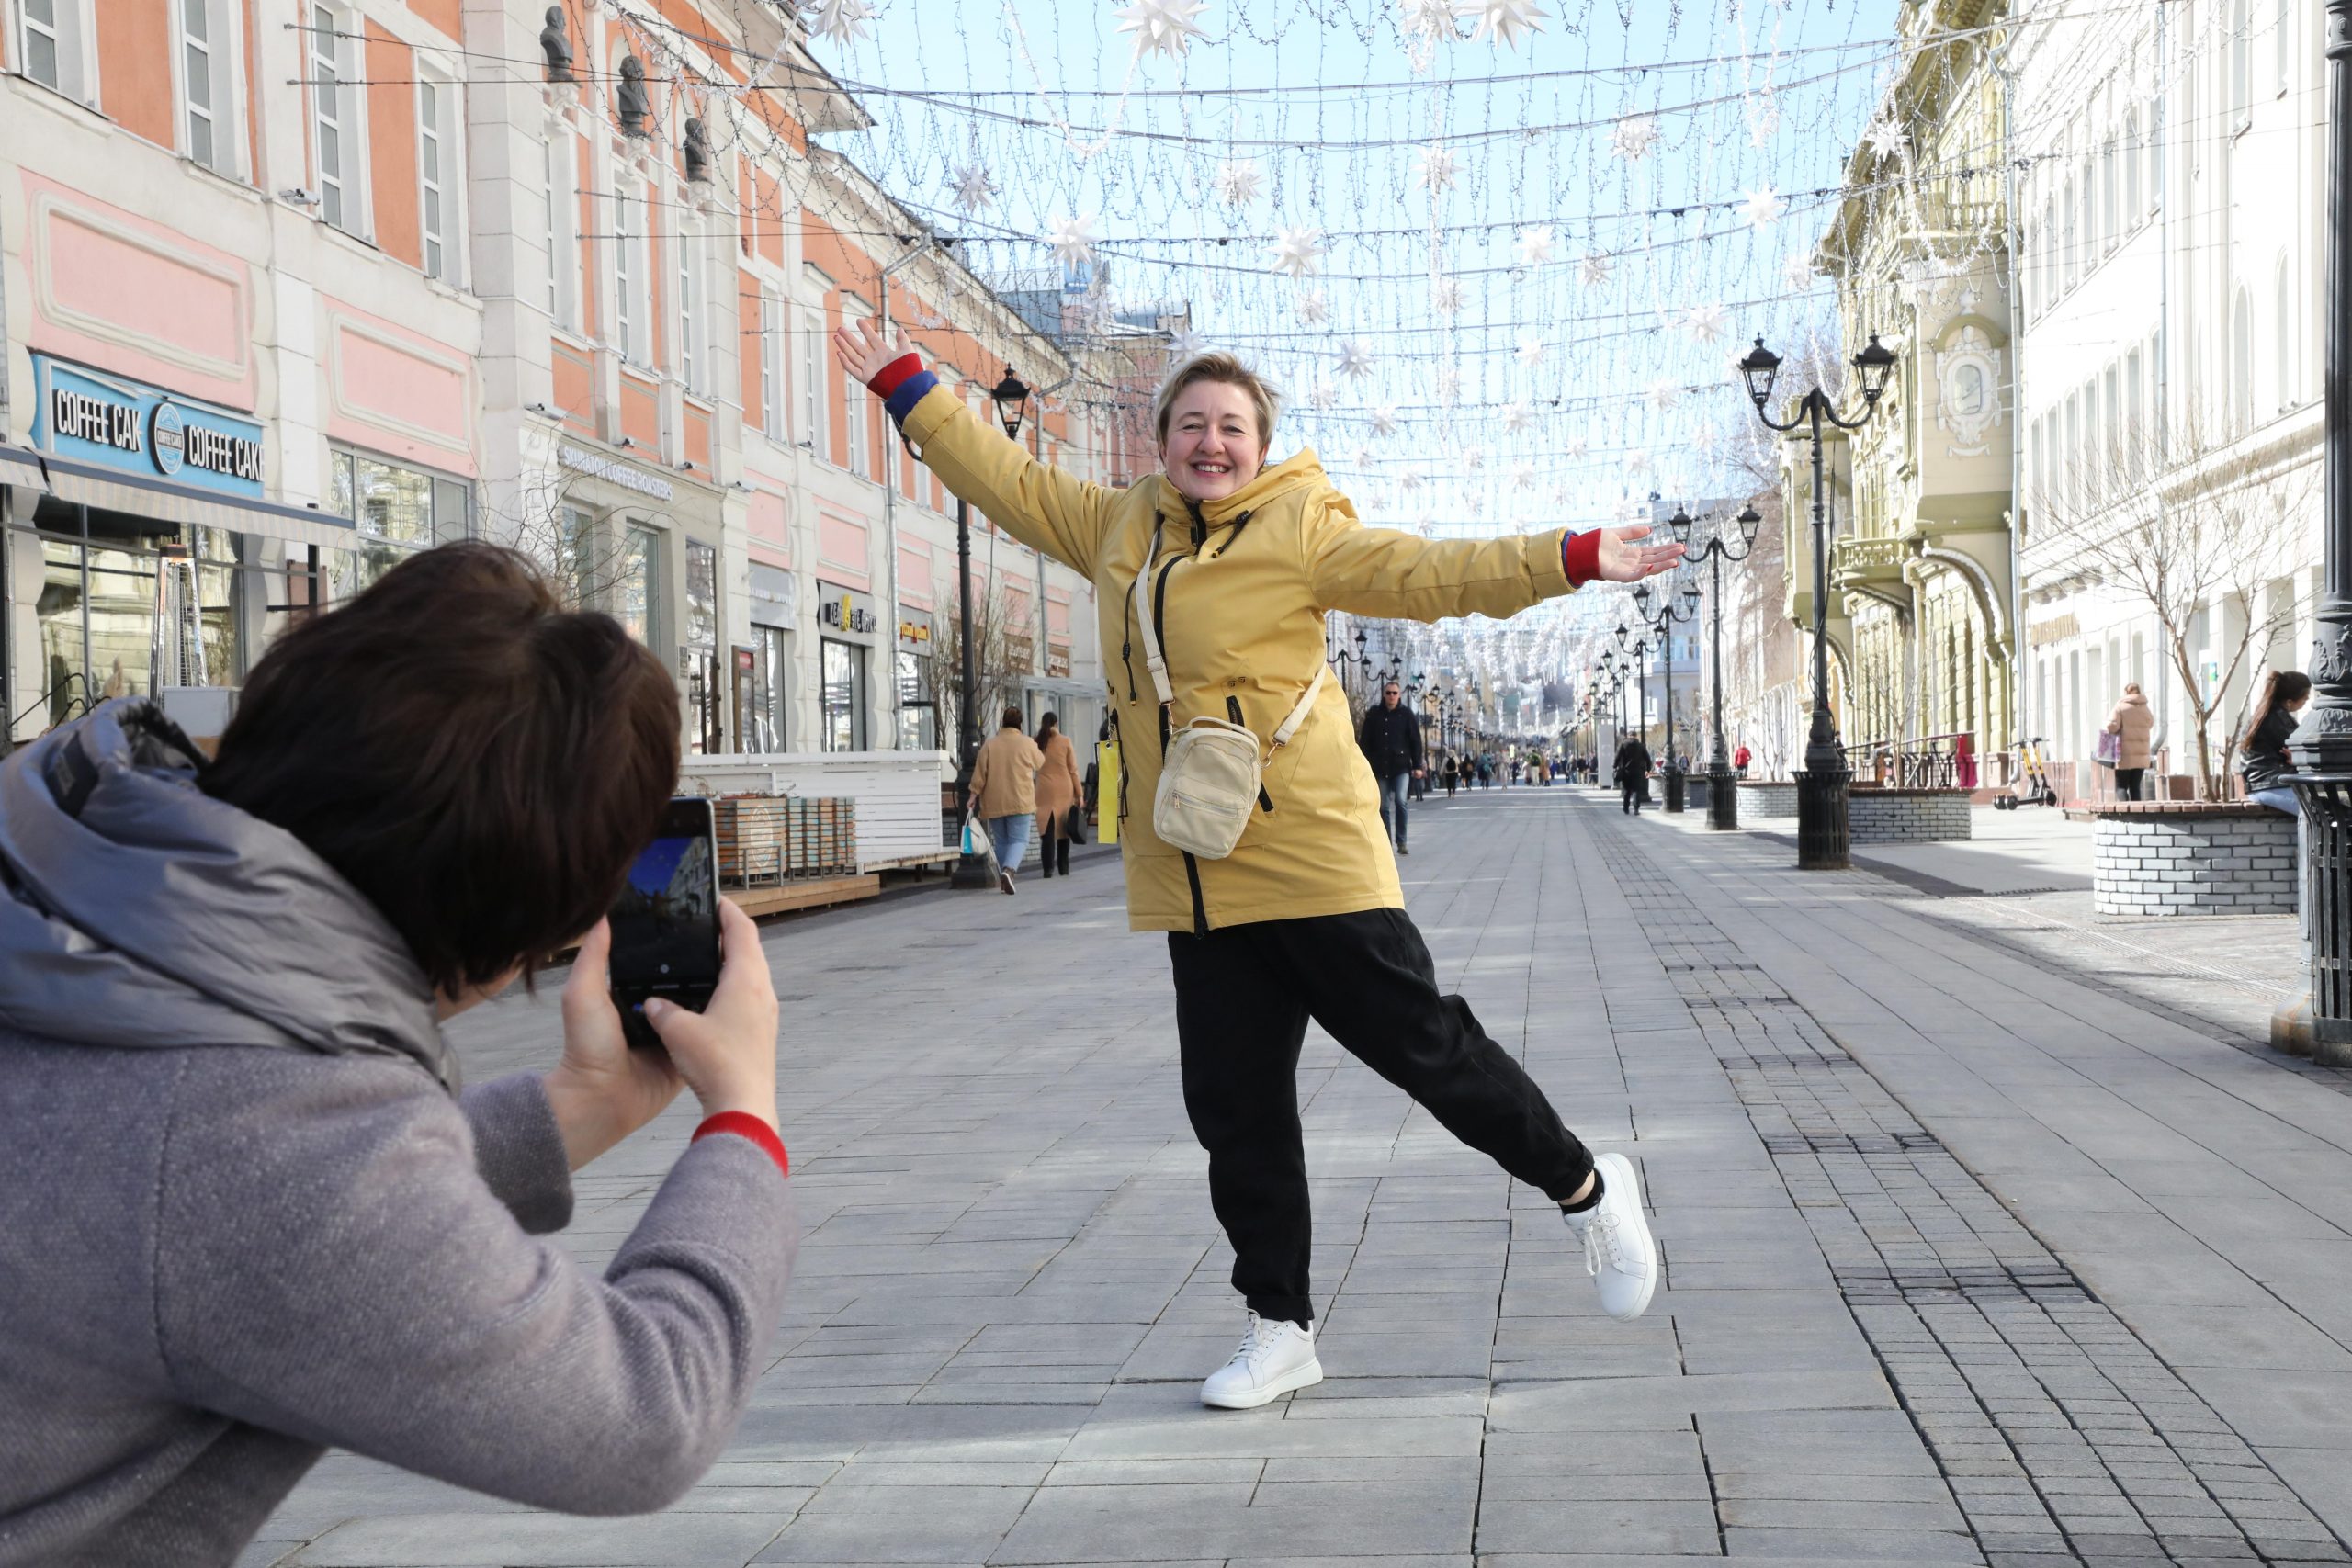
1012,719
477,762
2281,687
1047,728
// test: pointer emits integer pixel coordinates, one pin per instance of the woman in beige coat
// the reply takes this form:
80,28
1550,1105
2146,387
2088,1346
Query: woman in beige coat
1240,558
2135,722
1059,790
1004,793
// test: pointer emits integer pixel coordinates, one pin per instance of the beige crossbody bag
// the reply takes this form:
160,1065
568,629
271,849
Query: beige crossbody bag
1212,771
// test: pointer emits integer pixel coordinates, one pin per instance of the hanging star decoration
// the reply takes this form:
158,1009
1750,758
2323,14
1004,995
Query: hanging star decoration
1408,481
1635,463
1161,26
1502,21
1436,169
1363,458
1706,323
974,189
1634,136
1449,387
1185,344
1384,421
1763,206
1664,395
1530,351
1796,273
1578,446
1446,296
1237,181
1355,359
1886,139
1296,252
1314,308
1324,397
1595,271
1473,459
1428,22
843,21
1535,246
1073,240
1517,418
1522,476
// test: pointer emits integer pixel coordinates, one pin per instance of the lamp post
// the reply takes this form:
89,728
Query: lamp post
1822,843
1673,610
1722,797
1011,396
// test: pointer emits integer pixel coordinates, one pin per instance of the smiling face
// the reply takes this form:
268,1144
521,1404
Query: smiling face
1214,445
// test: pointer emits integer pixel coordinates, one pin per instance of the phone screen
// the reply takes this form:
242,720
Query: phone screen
665,923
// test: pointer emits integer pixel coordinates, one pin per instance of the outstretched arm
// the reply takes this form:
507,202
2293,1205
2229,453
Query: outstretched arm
1387,572
1041,506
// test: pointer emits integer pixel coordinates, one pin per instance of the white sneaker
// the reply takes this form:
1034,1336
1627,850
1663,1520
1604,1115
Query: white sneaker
1275,1358
1618,1251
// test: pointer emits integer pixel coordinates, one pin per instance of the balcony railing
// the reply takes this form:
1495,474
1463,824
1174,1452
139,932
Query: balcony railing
1928,762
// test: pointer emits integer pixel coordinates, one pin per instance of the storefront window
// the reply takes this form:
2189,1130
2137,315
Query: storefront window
918,719
102,629
844,696
398,509
636,589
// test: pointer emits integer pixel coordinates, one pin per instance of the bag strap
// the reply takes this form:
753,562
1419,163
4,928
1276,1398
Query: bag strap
1157,661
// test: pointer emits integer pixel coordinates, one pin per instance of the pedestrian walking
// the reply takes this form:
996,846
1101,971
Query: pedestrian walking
1633,773
1004,789
1391,739
252,1216
1485,770
1214,575
1451,771
2133,724
1740,758
2263,761
1059,792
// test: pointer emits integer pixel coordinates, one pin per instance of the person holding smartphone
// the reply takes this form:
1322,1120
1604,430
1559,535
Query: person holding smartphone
1211,579
247,1213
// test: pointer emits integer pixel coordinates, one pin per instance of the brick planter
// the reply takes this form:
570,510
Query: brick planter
1908,815
1760,798
2162,857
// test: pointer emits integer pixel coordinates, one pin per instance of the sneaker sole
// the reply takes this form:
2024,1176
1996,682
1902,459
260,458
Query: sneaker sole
1292,1382
1619,1169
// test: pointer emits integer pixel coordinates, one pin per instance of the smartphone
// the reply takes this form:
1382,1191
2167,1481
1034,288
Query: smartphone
666,925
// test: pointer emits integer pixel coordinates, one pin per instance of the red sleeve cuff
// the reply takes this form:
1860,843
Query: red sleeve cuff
745,1125
1580,557
896,374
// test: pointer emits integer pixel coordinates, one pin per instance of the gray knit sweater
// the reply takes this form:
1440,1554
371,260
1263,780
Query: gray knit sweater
242,1218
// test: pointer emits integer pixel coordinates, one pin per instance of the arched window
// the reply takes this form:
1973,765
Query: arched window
2241,61
2090,216
2066,242
2050,253
2241,362
2109,230
2131,205
2286,374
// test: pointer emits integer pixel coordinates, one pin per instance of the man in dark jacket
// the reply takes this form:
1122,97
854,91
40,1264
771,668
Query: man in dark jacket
1633,770
1391,739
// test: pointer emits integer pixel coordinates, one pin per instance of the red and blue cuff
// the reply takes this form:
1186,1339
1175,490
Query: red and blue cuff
1580,557
901,385
743,1125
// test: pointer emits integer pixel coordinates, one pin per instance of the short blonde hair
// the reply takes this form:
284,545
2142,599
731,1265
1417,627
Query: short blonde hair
1221,367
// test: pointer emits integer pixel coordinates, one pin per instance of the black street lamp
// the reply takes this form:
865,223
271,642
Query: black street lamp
1011,396
1822,843
1723,792
1673,610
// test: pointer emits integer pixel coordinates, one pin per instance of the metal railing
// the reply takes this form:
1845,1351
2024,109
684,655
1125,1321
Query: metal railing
1927,762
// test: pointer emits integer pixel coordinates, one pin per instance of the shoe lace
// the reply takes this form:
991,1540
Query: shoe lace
1601,1244
1255,1344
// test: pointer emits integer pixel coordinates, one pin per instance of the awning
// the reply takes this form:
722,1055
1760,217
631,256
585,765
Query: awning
83,484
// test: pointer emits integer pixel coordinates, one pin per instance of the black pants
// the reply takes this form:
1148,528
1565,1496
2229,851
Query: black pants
1052,847
1637,791
1243,997
2127,782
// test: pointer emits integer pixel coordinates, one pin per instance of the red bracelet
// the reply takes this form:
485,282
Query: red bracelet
745,1125
1580,557
896,374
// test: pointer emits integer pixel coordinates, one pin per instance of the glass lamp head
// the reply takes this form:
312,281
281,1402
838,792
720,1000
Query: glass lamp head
1875,364
1758,368
1750,521
1011,396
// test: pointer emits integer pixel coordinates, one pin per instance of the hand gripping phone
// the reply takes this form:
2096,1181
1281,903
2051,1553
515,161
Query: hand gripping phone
666,925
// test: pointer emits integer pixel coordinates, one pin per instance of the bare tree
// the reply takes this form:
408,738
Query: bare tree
1000,662
2202,533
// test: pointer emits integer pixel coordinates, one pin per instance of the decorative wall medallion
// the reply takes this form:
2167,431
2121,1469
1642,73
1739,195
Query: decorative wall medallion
1968,379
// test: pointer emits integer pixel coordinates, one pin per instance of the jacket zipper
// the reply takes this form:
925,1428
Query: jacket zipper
1160,615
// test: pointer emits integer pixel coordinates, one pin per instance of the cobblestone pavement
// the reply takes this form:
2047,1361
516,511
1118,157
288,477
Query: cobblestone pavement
1969,1259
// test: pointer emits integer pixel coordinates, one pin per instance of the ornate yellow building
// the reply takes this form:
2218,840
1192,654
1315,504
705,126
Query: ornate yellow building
1920,576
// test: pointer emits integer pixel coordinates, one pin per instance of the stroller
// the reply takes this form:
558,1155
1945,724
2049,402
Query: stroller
2032,786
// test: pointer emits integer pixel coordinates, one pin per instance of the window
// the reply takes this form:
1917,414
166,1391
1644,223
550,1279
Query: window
49,45
398,509
335,122
2282,43
2109,228
2092,458
631,329
770,690
772,366
2130,166
207,44
693,358
843,696
2241,62
812,380
578,546
854,402
2111,436
2241,362
2133,429
2067,242
2073,471
564,269
637,585
2050,253
2090,218
2286,371
436,172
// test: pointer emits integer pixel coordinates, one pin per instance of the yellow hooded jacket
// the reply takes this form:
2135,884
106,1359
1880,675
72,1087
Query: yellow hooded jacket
1239,597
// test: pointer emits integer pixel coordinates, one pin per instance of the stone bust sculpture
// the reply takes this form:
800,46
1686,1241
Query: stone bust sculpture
630,102
556,47
698,151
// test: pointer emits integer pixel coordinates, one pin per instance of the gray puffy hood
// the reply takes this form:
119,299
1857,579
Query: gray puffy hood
135,910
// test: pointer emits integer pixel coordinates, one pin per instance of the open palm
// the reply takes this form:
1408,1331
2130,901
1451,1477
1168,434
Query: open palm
1623,561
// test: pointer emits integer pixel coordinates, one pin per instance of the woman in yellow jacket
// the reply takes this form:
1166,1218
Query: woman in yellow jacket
1304,919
